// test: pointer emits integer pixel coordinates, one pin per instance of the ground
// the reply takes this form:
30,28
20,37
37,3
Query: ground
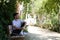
36,33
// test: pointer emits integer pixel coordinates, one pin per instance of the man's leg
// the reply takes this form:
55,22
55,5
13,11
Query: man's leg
16,32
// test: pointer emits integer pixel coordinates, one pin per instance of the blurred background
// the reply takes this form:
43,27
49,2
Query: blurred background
41,13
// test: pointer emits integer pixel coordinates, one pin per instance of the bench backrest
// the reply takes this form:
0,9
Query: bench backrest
10,29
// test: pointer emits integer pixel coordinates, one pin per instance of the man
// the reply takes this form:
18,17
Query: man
17,24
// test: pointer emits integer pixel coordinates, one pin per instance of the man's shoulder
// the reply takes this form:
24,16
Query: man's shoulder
20,19
13,20
17,20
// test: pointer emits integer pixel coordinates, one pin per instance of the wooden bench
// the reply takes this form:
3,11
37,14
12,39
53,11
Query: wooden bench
13,37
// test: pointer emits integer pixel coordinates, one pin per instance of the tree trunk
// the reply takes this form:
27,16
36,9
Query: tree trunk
17,7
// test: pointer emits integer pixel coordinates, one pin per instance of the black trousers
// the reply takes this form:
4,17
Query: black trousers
15,32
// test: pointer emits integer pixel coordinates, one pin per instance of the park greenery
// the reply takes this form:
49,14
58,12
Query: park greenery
47,11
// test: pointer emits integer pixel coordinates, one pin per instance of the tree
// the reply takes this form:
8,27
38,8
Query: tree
7,8
52,4
52,8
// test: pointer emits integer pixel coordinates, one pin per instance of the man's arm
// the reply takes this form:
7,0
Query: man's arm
23,23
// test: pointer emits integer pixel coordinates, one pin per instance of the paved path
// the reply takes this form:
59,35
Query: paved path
36,33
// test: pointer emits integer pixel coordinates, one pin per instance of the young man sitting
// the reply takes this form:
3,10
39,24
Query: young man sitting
17,24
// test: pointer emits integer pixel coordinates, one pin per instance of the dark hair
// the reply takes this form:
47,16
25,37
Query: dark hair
15,14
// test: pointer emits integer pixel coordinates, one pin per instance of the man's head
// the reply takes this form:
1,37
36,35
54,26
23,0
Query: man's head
16,15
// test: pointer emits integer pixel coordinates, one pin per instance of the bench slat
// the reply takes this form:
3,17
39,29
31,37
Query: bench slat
17,36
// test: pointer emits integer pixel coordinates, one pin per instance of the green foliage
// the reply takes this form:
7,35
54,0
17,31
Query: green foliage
55,25
52,8
52,4
6,16
25,1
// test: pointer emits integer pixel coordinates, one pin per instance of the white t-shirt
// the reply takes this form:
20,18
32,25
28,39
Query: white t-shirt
17,23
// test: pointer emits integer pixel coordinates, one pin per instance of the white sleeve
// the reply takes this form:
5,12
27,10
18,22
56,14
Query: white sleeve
13,23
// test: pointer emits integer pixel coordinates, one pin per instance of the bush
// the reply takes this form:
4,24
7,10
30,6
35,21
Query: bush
55,25
6,16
